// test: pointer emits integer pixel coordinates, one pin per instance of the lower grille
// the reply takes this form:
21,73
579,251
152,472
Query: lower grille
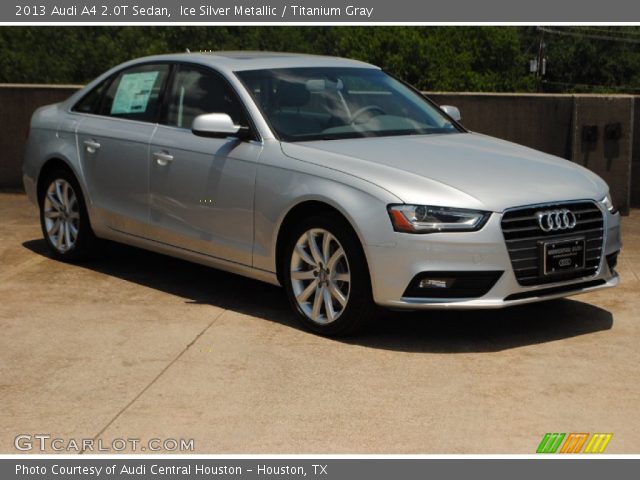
545,292
523,237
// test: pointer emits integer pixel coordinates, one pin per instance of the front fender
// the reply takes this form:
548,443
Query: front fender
280,188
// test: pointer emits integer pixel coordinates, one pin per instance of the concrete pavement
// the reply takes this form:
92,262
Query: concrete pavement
138,345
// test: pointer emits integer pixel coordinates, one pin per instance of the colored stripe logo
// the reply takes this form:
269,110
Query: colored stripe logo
574,443
598,442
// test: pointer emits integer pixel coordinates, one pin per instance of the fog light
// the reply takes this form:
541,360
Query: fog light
451,284
436,282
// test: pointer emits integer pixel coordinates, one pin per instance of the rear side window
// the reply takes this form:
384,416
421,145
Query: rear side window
90,103
195,91
136,93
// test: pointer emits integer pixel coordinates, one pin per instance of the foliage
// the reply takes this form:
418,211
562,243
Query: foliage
475,58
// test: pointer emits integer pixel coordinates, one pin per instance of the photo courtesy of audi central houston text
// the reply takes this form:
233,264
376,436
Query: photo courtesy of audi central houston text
326,176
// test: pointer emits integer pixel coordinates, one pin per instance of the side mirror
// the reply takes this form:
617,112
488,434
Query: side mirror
216,125
453,112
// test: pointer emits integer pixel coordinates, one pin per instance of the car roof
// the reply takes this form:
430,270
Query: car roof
231,61
257,60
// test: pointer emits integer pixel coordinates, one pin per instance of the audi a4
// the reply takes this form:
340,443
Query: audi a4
323,175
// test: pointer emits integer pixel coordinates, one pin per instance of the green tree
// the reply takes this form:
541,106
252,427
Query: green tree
477,58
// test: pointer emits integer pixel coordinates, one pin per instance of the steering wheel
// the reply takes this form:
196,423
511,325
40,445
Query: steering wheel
366,109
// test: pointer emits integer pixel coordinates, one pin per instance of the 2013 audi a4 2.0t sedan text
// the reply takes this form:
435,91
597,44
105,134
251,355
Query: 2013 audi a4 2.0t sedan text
323,175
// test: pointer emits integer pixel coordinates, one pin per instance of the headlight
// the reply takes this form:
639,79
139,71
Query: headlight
427,219
608,203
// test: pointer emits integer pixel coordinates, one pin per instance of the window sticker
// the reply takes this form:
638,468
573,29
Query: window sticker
133,93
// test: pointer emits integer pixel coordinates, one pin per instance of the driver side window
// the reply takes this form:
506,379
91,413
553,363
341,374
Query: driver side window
195,91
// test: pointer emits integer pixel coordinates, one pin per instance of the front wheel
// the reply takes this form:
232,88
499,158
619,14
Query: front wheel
326,276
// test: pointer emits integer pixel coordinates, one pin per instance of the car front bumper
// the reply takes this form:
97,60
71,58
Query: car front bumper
393,268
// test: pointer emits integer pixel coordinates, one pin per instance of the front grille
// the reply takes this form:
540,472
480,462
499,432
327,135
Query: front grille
523,237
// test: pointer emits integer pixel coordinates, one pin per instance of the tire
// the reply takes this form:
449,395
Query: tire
329,287
64,219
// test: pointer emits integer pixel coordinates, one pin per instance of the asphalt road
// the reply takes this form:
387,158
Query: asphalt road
141,346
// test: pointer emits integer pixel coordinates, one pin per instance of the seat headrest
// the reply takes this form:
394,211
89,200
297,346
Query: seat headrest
291,94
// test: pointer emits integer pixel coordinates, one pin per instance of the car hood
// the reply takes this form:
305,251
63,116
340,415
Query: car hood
459,170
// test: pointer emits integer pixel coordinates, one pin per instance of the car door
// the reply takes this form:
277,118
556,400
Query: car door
113,143
202,189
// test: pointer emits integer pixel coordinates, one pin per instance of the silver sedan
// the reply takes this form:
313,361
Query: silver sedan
323,175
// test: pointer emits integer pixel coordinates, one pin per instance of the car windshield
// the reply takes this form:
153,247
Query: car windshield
304,104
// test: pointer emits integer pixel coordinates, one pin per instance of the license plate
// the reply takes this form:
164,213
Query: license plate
561,256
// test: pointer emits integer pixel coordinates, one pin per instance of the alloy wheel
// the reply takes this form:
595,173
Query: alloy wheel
320,276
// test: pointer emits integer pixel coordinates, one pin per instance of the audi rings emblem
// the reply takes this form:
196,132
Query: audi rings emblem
554,220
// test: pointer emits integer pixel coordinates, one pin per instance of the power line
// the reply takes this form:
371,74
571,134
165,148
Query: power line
569,33
617,32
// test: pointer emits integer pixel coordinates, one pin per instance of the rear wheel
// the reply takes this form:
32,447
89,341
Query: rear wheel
326,276
63,217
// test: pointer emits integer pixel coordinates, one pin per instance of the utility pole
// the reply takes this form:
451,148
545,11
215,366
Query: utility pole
538,64
542,61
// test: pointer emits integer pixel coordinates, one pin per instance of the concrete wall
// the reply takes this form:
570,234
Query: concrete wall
17,103
635,156
542,122
550,123
556,124
603,141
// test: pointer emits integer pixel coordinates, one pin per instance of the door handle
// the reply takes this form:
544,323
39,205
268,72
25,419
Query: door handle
92,146
162,158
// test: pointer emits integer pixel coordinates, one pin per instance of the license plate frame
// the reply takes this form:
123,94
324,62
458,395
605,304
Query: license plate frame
556,259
